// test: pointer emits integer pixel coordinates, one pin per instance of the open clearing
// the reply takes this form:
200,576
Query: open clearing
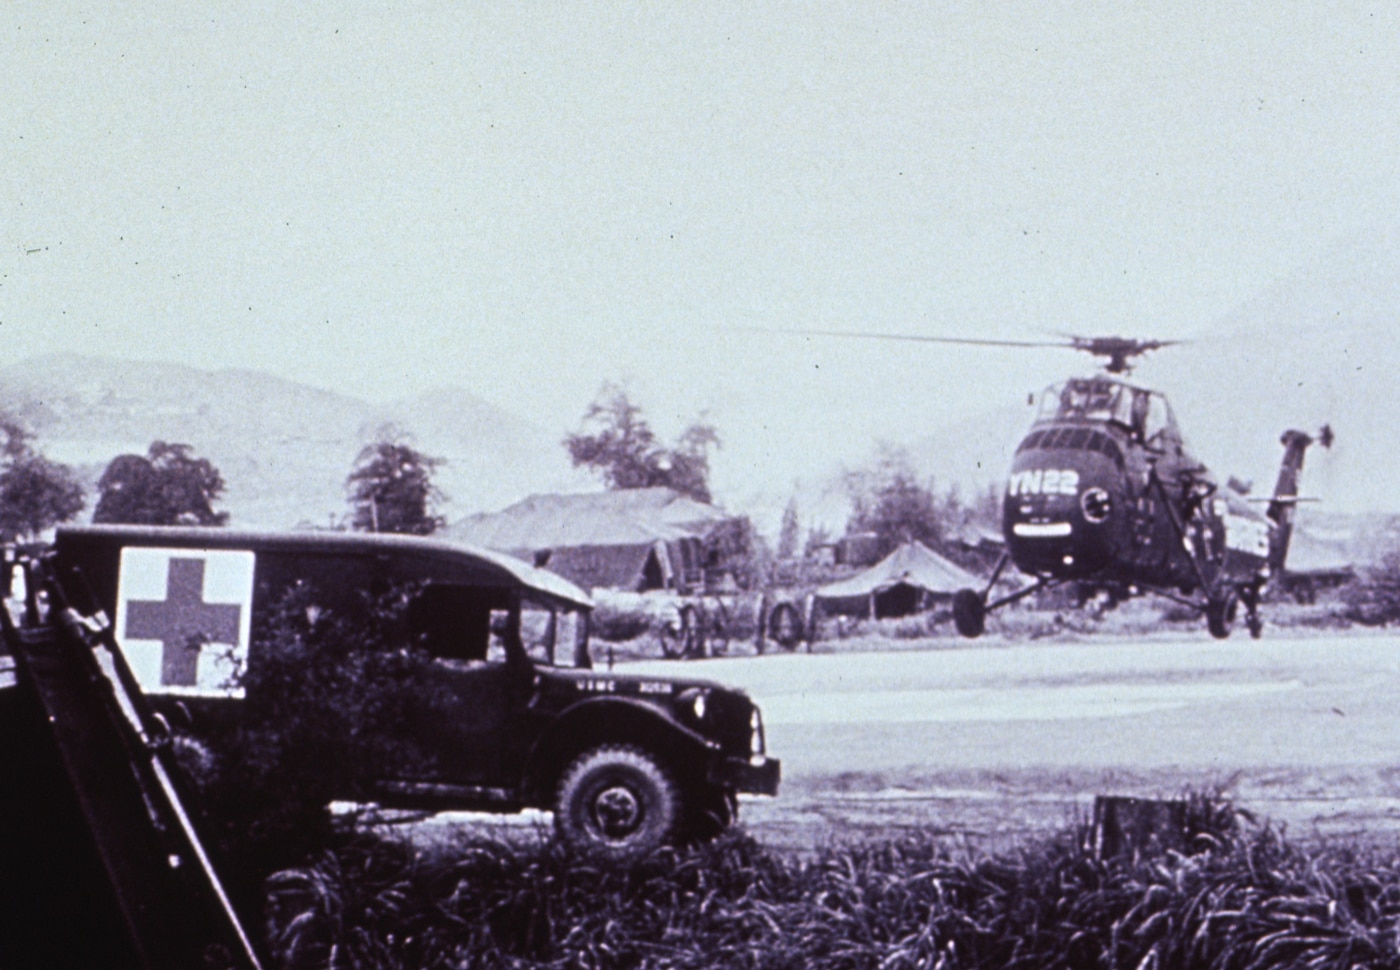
995,739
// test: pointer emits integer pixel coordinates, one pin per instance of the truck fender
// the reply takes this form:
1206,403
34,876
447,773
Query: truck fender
611,720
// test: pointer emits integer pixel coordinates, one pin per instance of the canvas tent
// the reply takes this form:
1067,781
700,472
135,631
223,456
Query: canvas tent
911,578
633,539
1315,562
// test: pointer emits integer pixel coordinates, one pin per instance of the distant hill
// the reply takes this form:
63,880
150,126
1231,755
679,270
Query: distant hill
1320,345
284,448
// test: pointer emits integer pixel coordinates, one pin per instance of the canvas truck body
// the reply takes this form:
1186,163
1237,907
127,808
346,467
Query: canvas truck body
510,714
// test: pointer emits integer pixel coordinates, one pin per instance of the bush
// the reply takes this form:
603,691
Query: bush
618,625
1243,899
1374,598
322,718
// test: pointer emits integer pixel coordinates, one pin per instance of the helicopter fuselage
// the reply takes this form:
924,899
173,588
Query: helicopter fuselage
1103,490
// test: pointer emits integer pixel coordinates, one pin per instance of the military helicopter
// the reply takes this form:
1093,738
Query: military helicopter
1103,492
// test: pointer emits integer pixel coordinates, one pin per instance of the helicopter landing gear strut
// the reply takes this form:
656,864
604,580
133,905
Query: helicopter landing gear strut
970,608
1249,596
1222,608
1220,613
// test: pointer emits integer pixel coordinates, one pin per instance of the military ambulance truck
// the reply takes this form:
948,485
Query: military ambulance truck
516,716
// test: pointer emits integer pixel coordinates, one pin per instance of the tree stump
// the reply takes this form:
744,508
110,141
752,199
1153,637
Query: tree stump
1138,826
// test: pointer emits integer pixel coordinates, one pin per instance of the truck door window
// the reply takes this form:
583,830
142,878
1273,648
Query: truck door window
500,631
452,622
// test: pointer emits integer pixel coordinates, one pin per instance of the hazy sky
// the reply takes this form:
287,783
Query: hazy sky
529,200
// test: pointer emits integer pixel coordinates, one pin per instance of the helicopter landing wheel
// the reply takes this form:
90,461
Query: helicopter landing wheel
1220,613
1252,620
969,613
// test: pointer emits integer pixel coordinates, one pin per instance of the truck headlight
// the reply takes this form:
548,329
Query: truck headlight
693,702
756,741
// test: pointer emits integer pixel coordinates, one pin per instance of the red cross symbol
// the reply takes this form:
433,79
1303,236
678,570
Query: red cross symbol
182,622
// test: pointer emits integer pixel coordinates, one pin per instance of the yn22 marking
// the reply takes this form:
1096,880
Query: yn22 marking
1044,481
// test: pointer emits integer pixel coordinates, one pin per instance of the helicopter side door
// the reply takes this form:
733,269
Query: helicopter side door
1176,537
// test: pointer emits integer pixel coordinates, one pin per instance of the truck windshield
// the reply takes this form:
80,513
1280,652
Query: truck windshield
555,636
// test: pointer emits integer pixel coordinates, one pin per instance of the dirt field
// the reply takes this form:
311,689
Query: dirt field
994,739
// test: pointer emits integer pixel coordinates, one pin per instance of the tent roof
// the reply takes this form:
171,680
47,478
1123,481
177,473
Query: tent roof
627,517
607,567
913,564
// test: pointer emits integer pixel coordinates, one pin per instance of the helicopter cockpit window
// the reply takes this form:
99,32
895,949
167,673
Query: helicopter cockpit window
1049,408
1032,441
1158,419
1086,400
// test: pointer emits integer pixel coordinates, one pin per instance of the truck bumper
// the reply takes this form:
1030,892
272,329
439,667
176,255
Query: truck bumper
756,776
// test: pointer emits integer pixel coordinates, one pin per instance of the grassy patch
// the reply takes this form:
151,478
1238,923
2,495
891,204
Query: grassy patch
1244,898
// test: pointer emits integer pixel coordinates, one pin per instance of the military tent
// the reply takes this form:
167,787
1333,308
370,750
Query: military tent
633,539
911,578
1315,562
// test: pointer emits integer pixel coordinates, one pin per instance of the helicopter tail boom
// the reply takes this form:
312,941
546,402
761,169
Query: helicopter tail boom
1284,504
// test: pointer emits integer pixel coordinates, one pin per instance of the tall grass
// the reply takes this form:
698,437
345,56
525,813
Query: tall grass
1245,900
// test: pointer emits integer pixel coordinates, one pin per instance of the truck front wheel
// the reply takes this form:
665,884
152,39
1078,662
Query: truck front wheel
617,800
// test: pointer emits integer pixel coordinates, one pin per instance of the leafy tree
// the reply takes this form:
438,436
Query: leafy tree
391,487
788,532
817,537
892,503
617,442
16,439
169,485
35,493
737,546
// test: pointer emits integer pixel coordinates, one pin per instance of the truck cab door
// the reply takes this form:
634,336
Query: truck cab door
464,721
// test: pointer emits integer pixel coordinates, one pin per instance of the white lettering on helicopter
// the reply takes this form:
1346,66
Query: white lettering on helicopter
1044,481
1247,535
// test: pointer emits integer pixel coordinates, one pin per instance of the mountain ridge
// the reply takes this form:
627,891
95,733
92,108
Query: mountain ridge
284,447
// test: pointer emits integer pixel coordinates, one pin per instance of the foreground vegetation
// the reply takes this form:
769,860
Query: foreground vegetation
1244,897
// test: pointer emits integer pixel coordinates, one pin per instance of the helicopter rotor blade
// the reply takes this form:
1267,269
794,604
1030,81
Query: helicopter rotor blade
862,335
1118,351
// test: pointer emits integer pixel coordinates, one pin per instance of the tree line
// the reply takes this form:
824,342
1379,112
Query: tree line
390,485
389,488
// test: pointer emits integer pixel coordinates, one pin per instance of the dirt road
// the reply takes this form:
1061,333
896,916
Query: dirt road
993,739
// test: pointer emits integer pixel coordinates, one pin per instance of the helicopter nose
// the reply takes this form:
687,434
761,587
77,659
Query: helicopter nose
1096,504
1060,513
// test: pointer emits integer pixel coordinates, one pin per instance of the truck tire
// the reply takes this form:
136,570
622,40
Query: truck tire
716,630
617,800
969,613
785,626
